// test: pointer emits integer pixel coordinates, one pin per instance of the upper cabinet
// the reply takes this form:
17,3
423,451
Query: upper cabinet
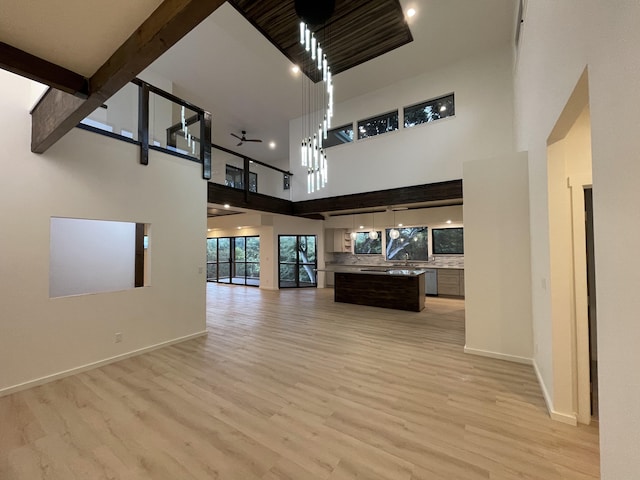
337,240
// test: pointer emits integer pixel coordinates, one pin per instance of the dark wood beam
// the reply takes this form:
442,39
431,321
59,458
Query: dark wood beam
56,113
29,66
432,192
235,197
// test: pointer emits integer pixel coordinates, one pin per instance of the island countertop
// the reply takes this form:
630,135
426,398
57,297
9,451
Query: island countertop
350,267
390,271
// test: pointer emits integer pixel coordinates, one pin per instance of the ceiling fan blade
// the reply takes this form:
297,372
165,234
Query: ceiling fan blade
255,140
234,135
240,144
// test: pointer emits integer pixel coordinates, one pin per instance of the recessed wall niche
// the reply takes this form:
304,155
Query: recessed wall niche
95,256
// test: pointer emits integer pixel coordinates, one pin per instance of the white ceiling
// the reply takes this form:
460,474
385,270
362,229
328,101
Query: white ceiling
227,67
77,34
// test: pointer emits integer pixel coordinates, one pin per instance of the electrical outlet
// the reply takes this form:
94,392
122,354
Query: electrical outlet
118,337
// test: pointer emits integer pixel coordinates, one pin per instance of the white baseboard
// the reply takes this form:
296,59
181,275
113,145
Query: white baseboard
570,419
100,363
499,356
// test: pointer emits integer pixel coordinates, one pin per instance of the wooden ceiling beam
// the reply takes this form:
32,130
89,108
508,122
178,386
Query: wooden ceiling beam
26,65
432,192
58,111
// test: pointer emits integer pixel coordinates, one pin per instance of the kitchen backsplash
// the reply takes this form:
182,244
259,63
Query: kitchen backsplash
350,259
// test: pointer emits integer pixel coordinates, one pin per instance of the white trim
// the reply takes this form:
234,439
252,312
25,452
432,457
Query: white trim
569,419
582,365
100,363
499,356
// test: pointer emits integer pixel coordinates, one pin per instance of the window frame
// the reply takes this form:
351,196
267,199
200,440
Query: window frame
424,104
366,234
433,241
377,117
336,129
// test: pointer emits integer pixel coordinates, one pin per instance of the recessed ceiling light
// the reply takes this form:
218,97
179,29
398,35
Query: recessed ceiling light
295,69
239,228
361,226
399,224
226,205
272,145
411,12
209,229
448,221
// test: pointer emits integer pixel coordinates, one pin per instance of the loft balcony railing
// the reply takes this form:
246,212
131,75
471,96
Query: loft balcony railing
154,119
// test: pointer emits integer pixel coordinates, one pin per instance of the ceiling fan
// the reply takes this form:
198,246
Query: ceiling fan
244,138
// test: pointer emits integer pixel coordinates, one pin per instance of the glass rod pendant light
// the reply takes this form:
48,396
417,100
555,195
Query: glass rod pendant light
317,110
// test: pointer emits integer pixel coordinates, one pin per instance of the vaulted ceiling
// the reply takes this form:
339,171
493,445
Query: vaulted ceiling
357,31
225,64
247,83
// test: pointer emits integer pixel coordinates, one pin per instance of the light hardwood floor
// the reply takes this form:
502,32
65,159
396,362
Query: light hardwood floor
289,385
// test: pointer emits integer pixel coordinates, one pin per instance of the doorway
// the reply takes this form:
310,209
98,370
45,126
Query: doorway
297,261
591,295
569,175
234,260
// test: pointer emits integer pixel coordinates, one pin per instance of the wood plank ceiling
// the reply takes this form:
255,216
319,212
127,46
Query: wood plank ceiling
358,30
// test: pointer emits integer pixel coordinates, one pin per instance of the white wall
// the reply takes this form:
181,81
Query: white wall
497,268
86,175
432,152
559,40
91,256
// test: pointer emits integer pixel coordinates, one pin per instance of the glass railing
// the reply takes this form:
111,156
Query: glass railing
271,182
118,115
157,120
228,169
173,126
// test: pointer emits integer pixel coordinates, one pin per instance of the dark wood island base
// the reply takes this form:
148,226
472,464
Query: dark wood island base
398,291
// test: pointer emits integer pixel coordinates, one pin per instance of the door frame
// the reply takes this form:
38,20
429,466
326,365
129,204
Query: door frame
298,262
577,185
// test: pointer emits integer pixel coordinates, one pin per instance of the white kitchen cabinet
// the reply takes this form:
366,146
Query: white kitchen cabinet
337,240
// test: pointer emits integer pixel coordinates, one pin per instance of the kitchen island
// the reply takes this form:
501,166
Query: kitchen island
401,289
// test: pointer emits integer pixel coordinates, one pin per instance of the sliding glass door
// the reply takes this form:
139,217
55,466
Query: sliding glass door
297,261
234,260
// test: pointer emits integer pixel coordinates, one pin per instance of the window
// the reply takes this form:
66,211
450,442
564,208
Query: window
234,260
378,125
448,241
365,245
412,244
235,178
429,111
297,261
338,136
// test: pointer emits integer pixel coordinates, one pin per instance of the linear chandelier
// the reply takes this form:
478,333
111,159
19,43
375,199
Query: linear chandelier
317,111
